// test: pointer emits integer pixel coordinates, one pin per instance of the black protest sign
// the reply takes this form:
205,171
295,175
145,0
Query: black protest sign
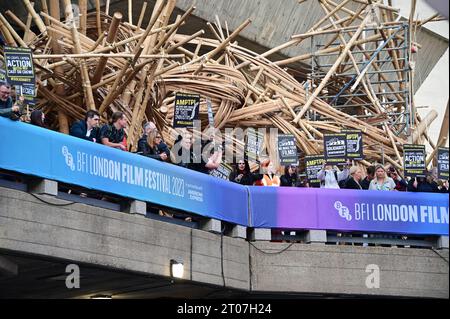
29,92
186,109
210,113
335,148
255,140
223,171
19,65
442,160
354,144
287,150
2,75
313,164
414,160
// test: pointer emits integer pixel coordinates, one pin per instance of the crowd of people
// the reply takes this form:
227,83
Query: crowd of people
151,145
376,177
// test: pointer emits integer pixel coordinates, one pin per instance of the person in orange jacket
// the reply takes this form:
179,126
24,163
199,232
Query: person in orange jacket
270,177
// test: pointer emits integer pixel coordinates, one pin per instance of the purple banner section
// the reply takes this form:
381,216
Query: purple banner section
349,210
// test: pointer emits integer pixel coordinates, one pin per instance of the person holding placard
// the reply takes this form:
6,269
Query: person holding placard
330,176
423,184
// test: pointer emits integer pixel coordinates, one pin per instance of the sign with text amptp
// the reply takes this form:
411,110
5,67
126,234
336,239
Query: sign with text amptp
186,109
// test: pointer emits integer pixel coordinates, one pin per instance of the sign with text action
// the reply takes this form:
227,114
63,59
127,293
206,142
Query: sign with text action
19,65
414,160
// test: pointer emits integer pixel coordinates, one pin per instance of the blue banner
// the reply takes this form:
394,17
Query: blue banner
36,151
349,210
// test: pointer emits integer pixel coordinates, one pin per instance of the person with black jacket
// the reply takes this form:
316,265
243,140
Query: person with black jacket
242,174
155,148
353,182
142,143
423,185
365,183
113,134
184,155
290,177
87,129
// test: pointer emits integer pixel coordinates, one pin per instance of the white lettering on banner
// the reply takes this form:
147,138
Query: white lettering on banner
195,192
403,213
19,63
97,166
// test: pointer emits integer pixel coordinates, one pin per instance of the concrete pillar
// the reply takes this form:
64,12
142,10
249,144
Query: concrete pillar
239,231
442,242
261,234
212,225
316,236
44,186
137,207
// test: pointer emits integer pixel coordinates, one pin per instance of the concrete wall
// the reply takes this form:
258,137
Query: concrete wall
117,240
131,242
342,269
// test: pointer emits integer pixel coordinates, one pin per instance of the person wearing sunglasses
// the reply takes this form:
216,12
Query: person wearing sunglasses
155,147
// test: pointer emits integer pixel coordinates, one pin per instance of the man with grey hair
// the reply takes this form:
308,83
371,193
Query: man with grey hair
7,108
